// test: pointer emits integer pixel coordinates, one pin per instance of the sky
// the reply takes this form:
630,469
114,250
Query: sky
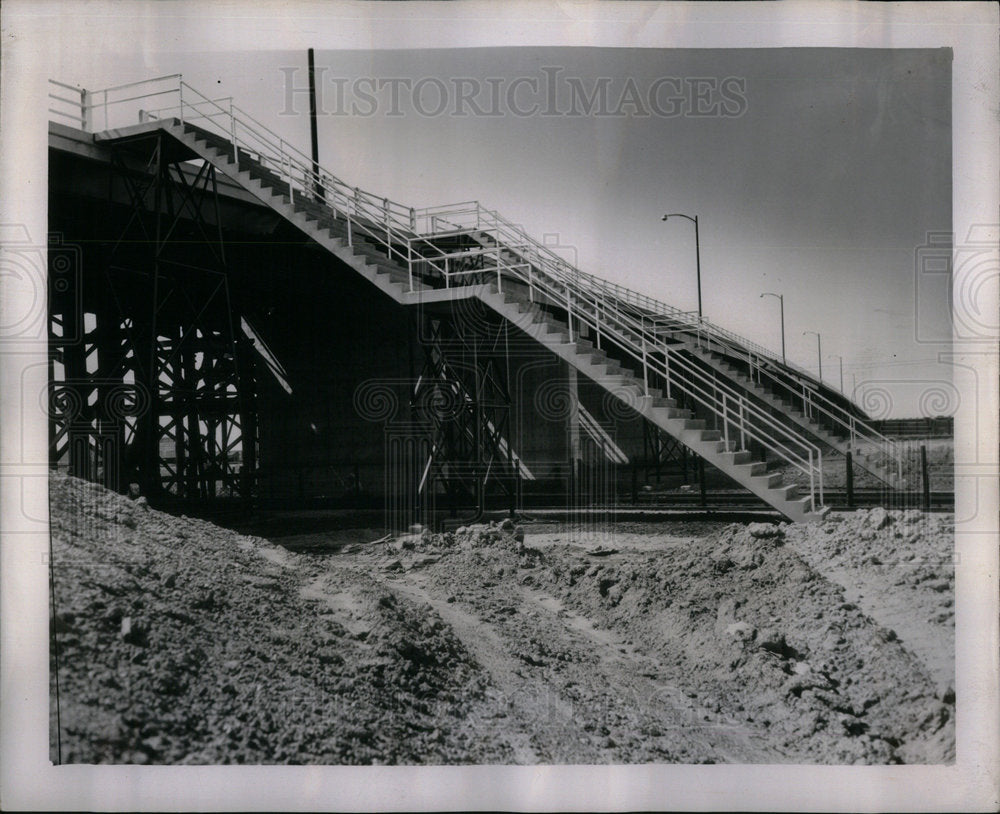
815,173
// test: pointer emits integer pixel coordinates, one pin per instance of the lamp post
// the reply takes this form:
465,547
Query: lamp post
781,301
697,250
819,352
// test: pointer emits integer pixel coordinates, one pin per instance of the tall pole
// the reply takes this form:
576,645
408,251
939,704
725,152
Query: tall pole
313,126
697,258
781,302
697,251
819,352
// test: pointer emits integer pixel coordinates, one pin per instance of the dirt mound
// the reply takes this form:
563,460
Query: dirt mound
180,642
899,566
758,635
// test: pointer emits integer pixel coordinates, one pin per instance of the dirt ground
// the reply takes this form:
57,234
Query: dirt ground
181,642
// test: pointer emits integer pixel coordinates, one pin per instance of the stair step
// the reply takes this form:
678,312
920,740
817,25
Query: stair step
788,491
770,479
738,458
656,396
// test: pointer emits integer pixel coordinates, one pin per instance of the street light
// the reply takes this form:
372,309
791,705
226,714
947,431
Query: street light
837,355
819,353
697,250
781,301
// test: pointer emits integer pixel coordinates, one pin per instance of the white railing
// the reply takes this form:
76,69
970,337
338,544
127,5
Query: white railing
861,437
670,322
585,300
617,316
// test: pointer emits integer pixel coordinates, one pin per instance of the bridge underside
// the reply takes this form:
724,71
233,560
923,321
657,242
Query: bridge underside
206,350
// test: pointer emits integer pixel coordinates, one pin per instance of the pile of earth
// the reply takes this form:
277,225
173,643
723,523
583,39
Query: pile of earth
748,626
899,566
175,641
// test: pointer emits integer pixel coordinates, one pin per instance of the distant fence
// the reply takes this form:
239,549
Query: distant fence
938,427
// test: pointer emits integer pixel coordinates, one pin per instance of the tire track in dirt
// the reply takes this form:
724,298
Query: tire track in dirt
487,647
733,742
575,692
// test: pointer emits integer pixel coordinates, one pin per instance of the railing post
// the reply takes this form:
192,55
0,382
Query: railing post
925,478
569,314
409,261
350,237
86,111
498,269
743,436
666,369
232,137
180,100
812,481
849,470
819,469
725,420
645,367
105,109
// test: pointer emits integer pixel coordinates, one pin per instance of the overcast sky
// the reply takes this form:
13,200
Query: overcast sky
815,173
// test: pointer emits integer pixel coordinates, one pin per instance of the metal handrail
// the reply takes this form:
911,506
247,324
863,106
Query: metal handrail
759,358
812,400
727,404
606,308
724,399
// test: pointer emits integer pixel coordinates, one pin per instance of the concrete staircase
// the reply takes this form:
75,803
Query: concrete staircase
354,244
865,447
663,412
